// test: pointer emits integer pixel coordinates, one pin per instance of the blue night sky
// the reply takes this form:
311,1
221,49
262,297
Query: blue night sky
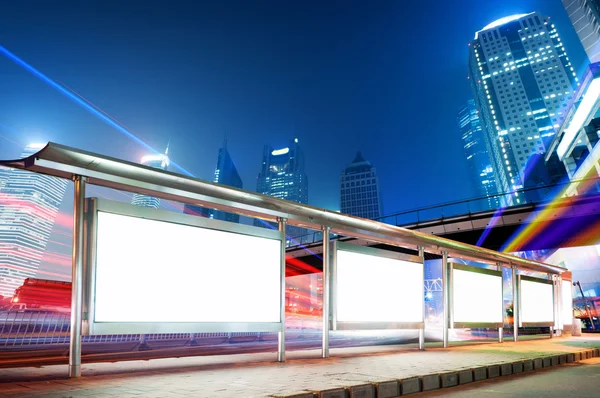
382,77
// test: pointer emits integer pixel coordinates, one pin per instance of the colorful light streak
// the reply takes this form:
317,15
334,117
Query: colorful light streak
84,103
555,209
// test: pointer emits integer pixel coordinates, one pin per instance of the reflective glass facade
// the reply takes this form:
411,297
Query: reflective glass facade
160,161
476,154
225,173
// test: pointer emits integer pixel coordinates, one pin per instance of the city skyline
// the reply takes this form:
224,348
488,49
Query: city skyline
362,106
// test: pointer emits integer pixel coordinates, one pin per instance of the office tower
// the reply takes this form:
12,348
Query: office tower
225,174
585,17
28,210
158,161
282,173
4,175
359,189
522,82
282,176
480,169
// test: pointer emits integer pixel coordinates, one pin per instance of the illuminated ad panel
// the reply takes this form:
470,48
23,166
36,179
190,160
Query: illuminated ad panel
476,296
371,288
156,272
567,302
537,301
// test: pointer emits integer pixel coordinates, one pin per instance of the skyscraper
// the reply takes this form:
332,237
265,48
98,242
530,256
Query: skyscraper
478,159
226,174
522,81
29,205
159,161
359,189
585,16
282,176
282,173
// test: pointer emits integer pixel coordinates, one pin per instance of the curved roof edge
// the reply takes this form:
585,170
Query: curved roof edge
501,21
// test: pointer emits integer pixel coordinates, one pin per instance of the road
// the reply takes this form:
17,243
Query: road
578,379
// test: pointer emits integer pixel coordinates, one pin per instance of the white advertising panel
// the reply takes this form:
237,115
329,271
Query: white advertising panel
476,297
537,305
155,271
372,288
567,302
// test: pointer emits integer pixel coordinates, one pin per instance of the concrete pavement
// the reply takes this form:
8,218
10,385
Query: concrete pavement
349,372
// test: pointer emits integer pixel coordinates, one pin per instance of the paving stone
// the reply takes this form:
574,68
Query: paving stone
410,386
430,382
449,379
538,363
528,365
301,395
480,374
597,352
465,376
506,369
363,391
334,393
517,367
555,360
493,371
547,362
388,389
570,358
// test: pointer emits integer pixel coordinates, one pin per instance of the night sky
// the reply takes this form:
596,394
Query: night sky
382,77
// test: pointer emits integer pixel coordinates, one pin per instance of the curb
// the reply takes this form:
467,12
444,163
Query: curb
412,385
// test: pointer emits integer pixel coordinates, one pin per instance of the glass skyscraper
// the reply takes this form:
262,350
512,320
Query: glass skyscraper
359,190
282,173
226,174
159,161
29,204
522,81
480,169
282,176
585,16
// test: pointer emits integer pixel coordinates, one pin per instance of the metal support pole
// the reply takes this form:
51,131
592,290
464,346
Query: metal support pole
446,290
422,330
77,277
501,328
554,303
585,303
515,304
560,323
326,294
281,333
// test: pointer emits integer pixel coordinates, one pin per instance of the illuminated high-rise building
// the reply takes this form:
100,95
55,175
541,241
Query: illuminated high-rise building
359,190
282,176
522,81
29,204
585,16
481,172
225,174
158,161
282,173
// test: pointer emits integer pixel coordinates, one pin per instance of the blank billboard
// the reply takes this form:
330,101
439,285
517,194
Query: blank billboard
537,302
476,296
567,302
371,288
161,272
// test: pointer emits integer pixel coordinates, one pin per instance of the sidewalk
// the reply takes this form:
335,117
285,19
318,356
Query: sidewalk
349,372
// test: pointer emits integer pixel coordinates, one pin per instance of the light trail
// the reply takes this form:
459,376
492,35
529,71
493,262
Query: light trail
84,103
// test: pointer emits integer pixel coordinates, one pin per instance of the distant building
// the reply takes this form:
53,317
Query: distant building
282,176
479,165
225,174
359,190
30,204
522,81
585,17
159,161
